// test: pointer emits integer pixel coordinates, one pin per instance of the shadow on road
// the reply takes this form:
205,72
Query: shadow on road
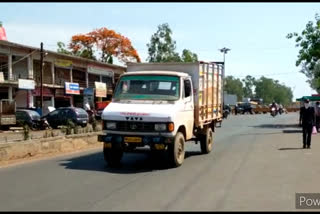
291,131
290,148
267,133
277,126
138,162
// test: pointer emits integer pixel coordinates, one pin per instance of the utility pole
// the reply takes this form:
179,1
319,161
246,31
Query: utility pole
224,51
41,77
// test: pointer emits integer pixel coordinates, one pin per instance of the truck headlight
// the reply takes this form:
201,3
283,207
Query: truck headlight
160,127
111,125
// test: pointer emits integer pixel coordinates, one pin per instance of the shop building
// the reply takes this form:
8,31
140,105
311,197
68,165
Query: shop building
20,78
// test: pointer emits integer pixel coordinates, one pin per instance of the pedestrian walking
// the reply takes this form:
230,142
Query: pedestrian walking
317,111
307,120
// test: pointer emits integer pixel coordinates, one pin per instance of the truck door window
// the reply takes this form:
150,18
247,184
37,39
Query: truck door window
187,88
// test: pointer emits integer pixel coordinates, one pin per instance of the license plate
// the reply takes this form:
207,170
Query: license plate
83,121
132,139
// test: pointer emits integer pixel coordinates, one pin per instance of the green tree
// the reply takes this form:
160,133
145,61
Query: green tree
162,47
249,83
265,89
271,90
234,86
188,56
62,49
309,54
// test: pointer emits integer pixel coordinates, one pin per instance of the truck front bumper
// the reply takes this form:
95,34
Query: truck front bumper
135,139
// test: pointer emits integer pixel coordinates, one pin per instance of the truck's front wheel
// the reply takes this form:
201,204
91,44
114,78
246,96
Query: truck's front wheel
176,150
112,156
206,142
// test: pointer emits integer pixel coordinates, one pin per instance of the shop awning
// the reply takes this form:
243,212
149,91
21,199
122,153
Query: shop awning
311,98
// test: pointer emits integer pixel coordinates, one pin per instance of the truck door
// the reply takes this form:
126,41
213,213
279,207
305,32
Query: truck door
188,106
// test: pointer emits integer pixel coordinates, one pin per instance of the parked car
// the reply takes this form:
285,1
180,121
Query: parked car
61,116
243,108
30,118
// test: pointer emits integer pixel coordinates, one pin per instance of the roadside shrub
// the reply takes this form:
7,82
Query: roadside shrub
70,127
26,132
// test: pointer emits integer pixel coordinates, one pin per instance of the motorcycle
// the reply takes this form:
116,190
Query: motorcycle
91,114
43,124
273,112
281,111
226,112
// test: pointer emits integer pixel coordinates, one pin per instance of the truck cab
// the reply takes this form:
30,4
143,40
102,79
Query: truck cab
149,108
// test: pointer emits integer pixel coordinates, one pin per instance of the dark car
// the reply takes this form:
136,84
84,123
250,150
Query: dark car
244,108
28,117
61,116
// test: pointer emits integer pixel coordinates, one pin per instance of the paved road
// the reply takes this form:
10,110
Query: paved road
257,164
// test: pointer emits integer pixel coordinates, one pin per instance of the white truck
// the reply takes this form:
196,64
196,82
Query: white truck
163,105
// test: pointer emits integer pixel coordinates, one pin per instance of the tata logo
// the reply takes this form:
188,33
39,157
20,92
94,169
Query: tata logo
133,126
134,118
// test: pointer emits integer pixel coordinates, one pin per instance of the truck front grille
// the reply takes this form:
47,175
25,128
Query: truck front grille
135,126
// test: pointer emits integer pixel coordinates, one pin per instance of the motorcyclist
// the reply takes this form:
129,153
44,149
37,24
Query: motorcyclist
281,108
274,105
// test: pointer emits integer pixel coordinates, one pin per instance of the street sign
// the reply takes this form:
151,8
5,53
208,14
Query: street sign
72,88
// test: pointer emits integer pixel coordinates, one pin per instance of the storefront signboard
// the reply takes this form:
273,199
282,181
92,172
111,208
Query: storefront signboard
92,69
88,91
1,77
63,63
72,88
47,92
101,89
26,84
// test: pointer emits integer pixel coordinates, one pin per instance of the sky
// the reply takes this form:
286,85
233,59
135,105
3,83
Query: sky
255,32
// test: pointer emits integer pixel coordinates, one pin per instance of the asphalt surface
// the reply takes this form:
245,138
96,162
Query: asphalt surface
257,165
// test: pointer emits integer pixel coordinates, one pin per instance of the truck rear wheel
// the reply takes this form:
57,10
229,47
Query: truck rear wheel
112,156
176,150
206,142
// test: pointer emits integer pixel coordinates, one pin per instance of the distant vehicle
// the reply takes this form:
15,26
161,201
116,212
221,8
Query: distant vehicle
273,112
61,116
243,108
30,118
226,111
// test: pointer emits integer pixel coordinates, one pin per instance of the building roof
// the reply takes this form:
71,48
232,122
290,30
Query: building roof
16,45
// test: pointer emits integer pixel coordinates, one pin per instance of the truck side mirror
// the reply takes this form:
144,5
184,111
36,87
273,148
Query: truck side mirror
187,88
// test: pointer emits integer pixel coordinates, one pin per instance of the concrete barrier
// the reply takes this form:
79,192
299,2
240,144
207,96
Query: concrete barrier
58,144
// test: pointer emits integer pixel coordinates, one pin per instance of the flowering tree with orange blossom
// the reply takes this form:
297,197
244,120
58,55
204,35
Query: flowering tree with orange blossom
108,43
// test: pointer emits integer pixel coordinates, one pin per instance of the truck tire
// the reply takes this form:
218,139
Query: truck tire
112,156
176,151
206,142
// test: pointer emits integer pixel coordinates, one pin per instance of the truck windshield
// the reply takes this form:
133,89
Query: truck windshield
148,87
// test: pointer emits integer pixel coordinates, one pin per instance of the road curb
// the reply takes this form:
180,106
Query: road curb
54,145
